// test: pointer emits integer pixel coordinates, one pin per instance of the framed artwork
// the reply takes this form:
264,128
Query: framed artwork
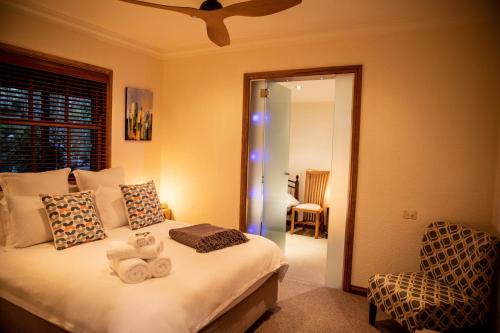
139,114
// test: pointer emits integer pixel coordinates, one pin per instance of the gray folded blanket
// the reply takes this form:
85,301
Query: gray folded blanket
206,237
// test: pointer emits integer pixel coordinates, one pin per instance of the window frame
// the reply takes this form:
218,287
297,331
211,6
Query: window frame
14,55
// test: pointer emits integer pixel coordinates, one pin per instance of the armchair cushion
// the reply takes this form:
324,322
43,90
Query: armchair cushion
451,291
308,206
460,257
417,301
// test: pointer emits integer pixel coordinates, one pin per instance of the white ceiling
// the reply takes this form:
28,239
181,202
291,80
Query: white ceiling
311,90
164,32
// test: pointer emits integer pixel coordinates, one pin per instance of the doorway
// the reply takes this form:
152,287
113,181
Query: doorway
256,86
310,152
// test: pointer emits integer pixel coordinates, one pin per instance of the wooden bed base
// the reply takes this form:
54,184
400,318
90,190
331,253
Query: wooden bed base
14,319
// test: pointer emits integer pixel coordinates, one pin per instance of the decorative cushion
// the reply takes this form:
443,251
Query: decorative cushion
28,221
91,180
73,218
142,204
309,206
110,206
417,302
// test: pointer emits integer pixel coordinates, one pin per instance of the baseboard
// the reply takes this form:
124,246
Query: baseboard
357,290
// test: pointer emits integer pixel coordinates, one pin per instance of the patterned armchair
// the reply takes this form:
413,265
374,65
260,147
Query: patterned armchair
452,289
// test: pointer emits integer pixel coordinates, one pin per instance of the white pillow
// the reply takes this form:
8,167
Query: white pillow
291,201
91,180
28,184
34,183
28,221
111,207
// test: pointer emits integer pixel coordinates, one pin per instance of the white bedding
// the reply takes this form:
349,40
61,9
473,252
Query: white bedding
75,288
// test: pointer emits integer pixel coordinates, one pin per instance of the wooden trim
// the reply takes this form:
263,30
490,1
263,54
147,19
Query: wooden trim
358,290
244,152
357,70
109,118
51,63
38,60
353,179
351,69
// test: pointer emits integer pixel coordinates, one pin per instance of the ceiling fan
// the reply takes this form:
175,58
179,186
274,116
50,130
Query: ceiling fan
213,13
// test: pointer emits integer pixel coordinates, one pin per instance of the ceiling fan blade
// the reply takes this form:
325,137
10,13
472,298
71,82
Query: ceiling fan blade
184,10
214,19
258,7
217,31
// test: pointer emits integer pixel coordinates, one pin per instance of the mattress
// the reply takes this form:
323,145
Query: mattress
76,290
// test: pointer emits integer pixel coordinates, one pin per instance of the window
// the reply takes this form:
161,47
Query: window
54,113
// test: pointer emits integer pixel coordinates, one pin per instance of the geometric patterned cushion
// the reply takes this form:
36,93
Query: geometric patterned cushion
460,257
73,218
417,302
143,205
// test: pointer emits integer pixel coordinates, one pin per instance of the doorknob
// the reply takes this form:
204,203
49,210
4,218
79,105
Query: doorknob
287,173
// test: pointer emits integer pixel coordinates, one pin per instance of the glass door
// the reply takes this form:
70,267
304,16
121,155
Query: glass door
255,174
269,135
275,163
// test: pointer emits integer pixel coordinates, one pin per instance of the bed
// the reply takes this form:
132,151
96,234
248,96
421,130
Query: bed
74,290
292,197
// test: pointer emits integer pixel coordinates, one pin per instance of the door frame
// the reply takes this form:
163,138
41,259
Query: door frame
357,70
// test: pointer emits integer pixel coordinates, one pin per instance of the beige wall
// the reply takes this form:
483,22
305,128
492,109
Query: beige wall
428,131
140,159
429,124
311,132
341,168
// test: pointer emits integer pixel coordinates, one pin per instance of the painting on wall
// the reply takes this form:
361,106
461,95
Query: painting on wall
139,114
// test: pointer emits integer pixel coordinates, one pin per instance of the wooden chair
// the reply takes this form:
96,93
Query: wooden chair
314,195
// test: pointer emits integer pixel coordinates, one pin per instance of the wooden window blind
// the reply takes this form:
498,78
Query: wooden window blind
54,113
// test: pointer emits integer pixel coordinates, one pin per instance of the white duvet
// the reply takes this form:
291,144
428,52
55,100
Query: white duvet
75,288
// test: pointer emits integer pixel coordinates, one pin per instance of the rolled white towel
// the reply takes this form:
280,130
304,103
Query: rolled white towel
160,266
140,239
133,270
120,251
151,239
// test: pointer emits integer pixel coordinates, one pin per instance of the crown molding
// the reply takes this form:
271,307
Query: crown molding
99,32
319,37
32,8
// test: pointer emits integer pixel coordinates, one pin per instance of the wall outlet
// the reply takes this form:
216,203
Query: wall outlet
410,214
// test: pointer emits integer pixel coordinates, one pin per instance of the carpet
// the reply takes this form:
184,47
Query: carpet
311,309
